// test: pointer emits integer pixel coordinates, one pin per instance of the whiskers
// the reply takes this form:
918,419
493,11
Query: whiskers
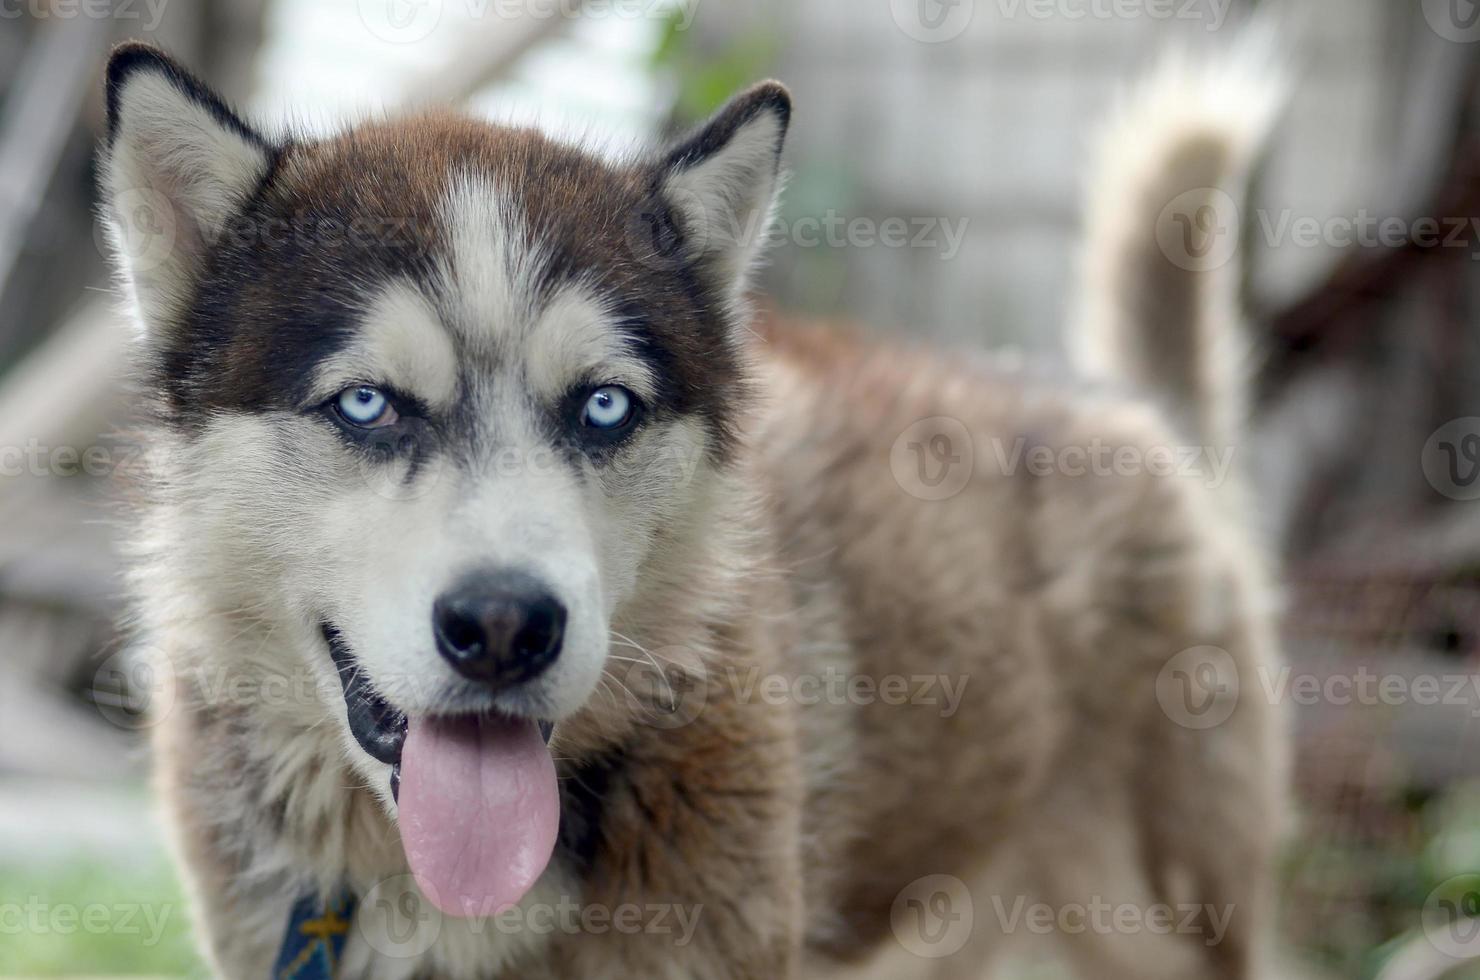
623,641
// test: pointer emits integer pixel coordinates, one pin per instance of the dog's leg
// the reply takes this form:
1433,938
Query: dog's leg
1098,911
1178,856
1211,810
1194,913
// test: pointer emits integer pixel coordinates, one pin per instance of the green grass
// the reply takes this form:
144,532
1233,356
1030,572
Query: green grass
88,918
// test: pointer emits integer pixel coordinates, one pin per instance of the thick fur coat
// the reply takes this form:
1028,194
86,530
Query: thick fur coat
851,626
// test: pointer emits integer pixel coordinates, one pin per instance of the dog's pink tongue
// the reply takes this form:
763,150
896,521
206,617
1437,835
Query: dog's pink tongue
479,811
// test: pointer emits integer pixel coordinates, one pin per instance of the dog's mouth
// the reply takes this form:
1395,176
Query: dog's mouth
379,728
477,796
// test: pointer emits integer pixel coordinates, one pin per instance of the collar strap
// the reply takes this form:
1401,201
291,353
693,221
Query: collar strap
314,939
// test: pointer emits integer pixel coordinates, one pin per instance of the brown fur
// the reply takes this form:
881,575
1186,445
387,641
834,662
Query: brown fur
1058,599
793,829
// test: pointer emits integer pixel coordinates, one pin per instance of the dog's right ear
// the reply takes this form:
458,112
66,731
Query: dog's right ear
177,165
723,181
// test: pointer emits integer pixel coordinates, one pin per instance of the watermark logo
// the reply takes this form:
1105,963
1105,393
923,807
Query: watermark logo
400,462
396,921
665,688
1454,20
400,21
1451,917
1451,459
933,459
134,690
1199,230
933,917
1199,687
666,238
933,21
145,229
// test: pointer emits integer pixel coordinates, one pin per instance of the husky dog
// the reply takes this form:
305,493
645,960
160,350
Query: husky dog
516,583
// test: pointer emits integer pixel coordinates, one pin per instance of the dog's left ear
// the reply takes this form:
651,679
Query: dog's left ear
177,165
723,179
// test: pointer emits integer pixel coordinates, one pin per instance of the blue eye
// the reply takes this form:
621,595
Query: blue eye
609,407
365,406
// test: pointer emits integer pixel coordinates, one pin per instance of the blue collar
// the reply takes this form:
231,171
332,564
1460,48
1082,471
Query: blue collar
315,938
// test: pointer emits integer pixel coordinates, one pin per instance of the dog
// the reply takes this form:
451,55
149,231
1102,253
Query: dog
535,609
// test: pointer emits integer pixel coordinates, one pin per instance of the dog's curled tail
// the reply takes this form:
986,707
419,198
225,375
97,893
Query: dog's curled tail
1159,303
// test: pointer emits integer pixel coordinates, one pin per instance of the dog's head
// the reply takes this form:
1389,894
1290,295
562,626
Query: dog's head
439,393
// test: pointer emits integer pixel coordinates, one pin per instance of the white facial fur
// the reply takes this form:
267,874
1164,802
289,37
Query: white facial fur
335,535
274,513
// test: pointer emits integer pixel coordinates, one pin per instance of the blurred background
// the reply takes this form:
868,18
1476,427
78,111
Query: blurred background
937,153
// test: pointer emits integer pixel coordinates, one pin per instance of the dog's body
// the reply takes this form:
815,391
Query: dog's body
829,632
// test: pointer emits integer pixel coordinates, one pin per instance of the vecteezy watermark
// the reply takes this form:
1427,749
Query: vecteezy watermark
400,21
1212,12
36,916
396,920
1454,20
1098,917
1367,230
150,12
142,229
145,226
933,917
934,458
1200,687
666,688
1098,458
1451,459
667,239
406,462
134,688
1368,688
840,687
669,687
410,21
137,688
933,21
833,230
1451,917
39,459
1198,230
938,21
569,917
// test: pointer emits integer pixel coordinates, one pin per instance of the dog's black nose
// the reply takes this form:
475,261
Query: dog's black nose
499,628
